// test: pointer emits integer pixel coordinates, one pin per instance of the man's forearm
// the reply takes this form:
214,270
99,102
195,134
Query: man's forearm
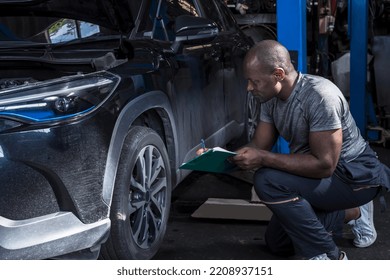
305,165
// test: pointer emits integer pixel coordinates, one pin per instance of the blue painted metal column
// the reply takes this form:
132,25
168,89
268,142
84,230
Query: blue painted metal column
291,28
358,32
291,32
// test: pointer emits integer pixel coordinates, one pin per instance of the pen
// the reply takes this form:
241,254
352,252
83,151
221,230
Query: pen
202,144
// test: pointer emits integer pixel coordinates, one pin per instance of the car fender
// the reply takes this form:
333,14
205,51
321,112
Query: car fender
144,102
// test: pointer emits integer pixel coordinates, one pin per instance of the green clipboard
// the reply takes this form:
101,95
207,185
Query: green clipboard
213,160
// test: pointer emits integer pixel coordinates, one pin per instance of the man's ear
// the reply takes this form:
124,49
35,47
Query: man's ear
279,74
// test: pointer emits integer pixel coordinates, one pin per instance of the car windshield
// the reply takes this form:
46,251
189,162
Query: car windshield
48,30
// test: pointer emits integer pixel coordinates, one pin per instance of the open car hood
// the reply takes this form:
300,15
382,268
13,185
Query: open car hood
113,14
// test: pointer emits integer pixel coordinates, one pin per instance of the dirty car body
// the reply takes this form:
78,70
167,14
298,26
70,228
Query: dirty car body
100,103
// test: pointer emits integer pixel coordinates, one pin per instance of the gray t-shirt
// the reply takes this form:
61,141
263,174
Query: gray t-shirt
315,104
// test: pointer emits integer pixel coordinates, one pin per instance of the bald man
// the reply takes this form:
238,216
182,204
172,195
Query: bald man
330,171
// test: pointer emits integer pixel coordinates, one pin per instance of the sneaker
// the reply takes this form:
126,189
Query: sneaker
343,256
363,228
322,257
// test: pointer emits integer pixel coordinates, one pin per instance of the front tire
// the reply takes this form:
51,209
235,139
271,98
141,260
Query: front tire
141,199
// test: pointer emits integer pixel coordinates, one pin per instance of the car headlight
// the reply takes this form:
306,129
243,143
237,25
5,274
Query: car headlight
58,100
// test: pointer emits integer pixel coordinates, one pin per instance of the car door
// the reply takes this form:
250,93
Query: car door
233,46
197,85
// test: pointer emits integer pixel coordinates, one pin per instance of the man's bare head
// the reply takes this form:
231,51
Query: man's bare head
267,55
269,71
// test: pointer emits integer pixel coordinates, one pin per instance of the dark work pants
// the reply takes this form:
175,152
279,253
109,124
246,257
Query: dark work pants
307,213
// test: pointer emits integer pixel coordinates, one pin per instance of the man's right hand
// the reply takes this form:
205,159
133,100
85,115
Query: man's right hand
249,158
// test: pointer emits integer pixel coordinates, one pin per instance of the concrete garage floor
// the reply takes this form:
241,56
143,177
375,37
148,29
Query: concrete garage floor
191,238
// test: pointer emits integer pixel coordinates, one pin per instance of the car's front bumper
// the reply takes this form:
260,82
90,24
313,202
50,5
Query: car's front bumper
51,191
49,236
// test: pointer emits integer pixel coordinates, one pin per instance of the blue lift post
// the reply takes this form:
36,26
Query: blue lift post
361,102
291,32
357,31
291,29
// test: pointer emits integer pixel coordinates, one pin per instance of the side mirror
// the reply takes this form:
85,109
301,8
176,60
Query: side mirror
194,30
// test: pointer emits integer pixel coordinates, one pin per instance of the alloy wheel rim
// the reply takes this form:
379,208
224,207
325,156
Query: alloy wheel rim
147,197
